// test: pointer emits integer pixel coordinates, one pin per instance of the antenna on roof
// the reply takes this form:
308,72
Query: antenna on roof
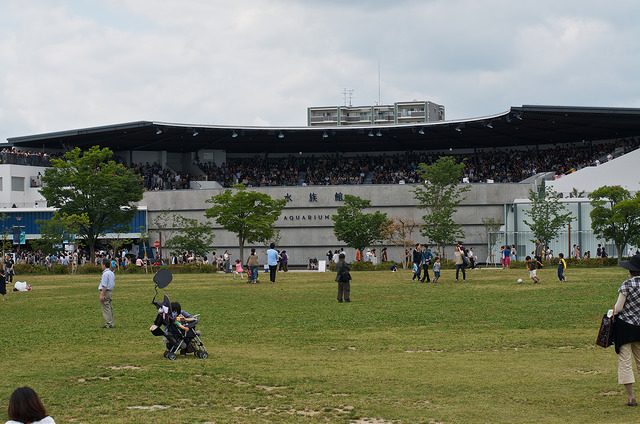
347,95
379,101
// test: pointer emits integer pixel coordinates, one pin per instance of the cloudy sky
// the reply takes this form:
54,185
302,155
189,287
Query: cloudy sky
67,64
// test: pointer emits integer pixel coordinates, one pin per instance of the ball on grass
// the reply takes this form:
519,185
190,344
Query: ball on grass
519,280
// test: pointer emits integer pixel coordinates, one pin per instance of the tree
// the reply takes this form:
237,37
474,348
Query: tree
91,183
491,226
5,235
57,231
547,215
440,194
355,228
616,216
193,236
251,215
399,232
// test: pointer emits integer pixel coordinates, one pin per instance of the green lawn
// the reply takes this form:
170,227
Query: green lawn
488,350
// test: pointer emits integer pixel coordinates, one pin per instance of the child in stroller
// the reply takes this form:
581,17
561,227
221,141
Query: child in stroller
179,330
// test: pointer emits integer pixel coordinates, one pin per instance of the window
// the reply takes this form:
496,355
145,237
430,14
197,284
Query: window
17,183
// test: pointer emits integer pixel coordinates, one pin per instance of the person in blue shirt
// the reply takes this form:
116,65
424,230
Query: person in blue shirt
426,258
272,262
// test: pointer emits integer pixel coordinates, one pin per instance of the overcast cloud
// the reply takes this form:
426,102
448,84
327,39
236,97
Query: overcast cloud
68,64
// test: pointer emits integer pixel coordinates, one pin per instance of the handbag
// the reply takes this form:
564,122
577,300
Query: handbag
605,335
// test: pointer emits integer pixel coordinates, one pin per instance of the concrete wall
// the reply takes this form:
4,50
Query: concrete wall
306,228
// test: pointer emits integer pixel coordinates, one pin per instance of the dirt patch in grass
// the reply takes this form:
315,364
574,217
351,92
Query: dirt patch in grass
424,351
149,408
125,367
84,380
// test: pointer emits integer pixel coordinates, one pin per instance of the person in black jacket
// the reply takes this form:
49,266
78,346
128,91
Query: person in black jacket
343,278
417,260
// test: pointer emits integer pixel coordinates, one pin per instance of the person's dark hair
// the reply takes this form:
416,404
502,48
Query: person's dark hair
527,258
253,251
25,406
341,256
634,273
106,262
175,307
561,255
272,245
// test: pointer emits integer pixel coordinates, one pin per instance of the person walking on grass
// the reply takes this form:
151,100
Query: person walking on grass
458,258
436,269
107,283
343,278
272,261
426,258
562,265
417,262
532,267
627,327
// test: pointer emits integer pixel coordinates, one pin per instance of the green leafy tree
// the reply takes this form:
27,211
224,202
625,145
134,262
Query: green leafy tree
440,194
547,215
356,228
91,183
250,215
193,236
5,235
616,216
491,227
57,231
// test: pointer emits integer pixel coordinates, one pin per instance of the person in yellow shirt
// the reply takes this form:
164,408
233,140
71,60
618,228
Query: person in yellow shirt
562,265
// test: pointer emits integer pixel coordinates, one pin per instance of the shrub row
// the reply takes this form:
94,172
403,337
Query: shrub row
25,269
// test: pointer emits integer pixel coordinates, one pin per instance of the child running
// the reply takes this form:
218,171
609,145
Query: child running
531,266
239,269
562,265
416,271
436,270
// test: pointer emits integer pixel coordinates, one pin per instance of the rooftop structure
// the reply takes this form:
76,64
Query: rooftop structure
414,112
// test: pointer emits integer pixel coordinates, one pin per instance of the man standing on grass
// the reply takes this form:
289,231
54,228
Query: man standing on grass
107,282
272,261
343,278
426,259
538,253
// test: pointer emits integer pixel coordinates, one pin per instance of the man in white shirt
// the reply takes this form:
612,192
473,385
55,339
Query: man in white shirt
107,283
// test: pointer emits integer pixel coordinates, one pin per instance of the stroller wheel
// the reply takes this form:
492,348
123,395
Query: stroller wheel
166,353
197,353
204,355
172,356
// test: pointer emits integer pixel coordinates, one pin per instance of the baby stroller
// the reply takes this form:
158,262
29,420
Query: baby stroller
186,339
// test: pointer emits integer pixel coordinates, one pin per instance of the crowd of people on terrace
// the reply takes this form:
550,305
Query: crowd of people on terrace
500,166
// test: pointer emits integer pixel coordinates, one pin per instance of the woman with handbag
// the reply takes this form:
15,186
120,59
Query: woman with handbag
627,327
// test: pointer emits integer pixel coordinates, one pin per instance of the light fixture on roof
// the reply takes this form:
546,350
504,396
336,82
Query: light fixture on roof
280,135
234,134
325,135
519,116
195,133
421,132
370,133
459,128
379,134
489,125
158,131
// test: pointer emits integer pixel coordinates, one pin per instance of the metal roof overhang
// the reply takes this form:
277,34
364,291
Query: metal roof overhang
520,126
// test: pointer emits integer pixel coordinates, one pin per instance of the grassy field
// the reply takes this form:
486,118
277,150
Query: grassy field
488,350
